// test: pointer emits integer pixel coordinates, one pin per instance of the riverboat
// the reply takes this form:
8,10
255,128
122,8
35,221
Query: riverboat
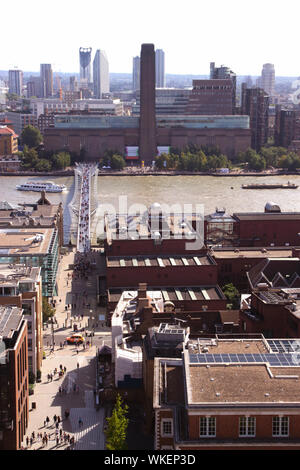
270,186
47,186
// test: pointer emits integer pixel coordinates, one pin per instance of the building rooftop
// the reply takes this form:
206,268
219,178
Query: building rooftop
243,371
24,241
161,261
13,274
156,223
252,253
180,293
10,318
266,215
275,272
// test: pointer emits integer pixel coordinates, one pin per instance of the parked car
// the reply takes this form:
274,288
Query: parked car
75,339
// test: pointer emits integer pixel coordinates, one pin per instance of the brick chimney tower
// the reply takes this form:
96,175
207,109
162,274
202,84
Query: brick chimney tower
148,147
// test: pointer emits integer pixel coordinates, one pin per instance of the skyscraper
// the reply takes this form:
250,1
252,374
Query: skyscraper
160,77
267,81
136,66
85,65
46,76
15,82
224,73
100,74
255,103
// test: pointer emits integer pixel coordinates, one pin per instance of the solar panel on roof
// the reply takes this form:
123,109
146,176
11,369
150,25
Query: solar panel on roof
274,359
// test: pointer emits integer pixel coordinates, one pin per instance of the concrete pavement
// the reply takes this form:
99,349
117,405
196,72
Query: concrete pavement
75,390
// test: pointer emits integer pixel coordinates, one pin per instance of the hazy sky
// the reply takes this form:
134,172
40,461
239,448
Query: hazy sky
242,35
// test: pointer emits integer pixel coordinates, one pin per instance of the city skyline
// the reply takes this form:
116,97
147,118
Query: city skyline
191,37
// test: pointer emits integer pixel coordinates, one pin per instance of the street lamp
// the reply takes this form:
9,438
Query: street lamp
52,332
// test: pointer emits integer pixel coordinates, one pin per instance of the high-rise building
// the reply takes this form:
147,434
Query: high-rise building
73,83
46,76
211,97
160,77
222,73
136,66
267,80
255,103
100,74
15,82
85,55
148,145
34,87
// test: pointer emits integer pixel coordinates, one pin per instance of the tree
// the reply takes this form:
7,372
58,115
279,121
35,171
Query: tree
232,295
29,158
117,162
43,165
61,160
117,427
31,136
48,310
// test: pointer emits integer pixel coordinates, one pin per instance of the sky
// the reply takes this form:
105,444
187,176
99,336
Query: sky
241,35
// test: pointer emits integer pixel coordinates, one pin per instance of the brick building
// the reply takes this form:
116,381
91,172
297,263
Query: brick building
148,132
211,97
21,286
227,394
14,413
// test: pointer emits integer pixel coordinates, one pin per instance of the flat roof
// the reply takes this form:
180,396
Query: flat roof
23,241
243,384
255,253
266,215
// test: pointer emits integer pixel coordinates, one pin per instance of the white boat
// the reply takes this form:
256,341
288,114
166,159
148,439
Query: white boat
38,186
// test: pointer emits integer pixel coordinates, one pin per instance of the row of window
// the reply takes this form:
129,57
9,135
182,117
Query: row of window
247,426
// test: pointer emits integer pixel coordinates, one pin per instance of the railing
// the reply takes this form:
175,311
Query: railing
82,205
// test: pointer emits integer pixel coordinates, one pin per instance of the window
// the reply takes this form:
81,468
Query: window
280,426
247,426
207,426
167,427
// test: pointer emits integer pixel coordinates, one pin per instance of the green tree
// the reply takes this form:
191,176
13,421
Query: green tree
31,136
48,310
29,158
61,160
232,295
116,431
117,162
43,165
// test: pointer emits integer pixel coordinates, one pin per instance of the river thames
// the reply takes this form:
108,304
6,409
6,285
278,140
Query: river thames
211,191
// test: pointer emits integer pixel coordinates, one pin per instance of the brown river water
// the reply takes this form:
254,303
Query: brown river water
213,192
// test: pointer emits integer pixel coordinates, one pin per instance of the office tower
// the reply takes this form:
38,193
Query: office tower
148,148
85,66
136,66
73,84
15,82
100,74
267,80
34,87
222,73
287,126
255,103
211,97
46,76
160,78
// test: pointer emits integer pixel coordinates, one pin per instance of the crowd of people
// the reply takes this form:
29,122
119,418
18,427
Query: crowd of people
84,217
53,432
